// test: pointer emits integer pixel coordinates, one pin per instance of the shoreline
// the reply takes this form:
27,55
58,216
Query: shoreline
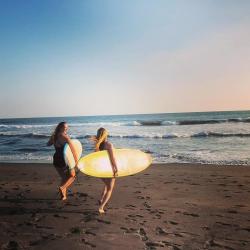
173,207
47,164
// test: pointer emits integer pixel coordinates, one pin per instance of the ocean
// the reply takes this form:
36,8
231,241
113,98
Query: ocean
204,137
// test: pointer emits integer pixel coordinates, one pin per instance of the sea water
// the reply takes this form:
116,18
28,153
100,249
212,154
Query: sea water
206,137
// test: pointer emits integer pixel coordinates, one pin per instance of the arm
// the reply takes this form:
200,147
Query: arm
110,150
50,141
68,140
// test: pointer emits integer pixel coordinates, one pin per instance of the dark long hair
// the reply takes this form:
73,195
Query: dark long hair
57,130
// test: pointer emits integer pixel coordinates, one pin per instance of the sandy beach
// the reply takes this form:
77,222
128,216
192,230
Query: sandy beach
167,206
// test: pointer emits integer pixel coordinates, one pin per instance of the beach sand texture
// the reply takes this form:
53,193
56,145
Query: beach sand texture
168,206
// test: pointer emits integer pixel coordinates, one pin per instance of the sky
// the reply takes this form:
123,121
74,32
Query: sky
96,57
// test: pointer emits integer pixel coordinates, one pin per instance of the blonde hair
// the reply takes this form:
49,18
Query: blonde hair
100,137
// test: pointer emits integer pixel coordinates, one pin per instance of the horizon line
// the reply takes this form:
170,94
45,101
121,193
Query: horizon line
156,113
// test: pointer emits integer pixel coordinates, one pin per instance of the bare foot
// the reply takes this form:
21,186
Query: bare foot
63,193
101,211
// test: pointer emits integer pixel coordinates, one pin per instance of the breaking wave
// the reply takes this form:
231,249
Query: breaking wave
131,123
27,135
135,136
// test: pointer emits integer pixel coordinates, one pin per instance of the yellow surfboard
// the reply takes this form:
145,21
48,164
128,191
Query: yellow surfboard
68,156
129,162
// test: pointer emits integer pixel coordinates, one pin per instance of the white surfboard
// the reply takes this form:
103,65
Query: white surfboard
129,162
68,156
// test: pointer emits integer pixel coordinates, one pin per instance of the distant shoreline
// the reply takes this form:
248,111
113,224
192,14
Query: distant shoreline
48,164
160,113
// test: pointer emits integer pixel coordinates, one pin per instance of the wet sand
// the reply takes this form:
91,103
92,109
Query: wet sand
168,206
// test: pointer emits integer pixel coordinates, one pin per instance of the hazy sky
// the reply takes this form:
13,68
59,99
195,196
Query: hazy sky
80,57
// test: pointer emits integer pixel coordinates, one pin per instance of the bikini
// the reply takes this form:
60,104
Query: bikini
58,158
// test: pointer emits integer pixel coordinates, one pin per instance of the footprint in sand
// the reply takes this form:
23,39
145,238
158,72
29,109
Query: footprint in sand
75,230
172,245
137,192
146,205
140,197
81,194
222,184
226,224
157,216
35,242
44,227
88,243
90,232
89,216
132,207
167,182
140,232
232,211
173,222
10,245
153,245
135,215
104,221
212,243
130,219
52,236
191,214
240,205
246,229
60,216
161,231
38,218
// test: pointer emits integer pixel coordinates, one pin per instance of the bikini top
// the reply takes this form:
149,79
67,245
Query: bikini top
102,146
59,144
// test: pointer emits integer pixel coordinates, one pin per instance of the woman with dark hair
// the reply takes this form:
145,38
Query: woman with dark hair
59,138
102,143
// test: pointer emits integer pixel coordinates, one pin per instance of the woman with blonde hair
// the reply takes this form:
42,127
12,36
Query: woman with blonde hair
59,138
102,143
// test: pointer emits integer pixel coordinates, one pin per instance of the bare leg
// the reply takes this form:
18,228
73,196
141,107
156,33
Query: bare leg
62,174
67,183
110,187
104,190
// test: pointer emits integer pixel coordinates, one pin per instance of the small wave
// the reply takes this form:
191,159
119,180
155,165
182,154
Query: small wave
82,137
150,123
132,123
184,158
149,136
8,143
176,135
27,135
199,122
247,120
28,150
190,122
213,121
25,126
135,136
215,134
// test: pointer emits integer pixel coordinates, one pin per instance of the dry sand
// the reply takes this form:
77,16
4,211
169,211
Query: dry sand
168,206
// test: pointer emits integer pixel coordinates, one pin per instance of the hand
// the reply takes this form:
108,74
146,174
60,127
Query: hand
115,172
